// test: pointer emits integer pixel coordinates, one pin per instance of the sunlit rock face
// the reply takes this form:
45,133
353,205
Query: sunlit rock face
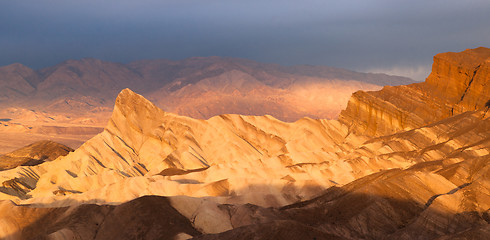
458,83
246,158
461,79
243,177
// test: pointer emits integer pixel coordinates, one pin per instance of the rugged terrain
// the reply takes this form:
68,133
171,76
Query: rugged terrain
72,101
256,177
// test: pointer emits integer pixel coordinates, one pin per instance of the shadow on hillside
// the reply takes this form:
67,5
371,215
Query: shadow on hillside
336,214
147,217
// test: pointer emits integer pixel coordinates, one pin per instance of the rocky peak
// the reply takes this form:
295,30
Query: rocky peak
15,67
133,110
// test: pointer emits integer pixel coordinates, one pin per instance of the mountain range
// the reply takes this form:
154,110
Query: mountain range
404,162
199,87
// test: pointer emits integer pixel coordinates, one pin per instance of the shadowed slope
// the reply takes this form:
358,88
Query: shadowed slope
423,202
33,154
427,201
148,217
405,204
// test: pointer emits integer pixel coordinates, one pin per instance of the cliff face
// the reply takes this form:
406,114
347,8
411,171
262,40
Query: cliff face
458,83
462,79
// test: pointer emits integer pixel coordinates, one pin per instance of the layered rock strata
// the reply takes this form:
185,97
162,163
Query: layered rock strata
458,83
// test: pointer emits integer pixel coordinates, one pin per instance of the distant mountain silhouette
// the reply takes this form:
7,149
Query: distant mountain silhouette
199,87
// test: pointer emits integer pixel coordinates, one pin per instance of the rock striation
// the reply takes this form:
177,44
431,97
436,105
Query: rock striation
442,191
226,155
457,83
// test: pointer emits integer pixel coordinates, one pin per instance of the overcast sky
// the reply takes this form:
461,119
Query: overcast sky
394,36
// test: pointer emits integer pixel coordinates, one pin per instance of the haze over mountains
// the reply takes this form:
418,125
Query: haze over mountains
199,87
388,168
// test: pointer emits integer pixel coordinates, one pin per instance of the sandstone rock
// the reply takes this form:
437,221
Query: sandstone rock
257,160
458,83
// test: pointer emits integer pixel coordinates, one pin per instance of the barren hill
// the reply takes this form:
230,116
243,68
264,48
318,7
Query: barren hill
33,154
16,82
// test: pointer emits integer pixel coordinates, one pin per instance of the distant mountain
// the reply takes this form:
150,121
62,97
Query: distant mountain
199,87
17,82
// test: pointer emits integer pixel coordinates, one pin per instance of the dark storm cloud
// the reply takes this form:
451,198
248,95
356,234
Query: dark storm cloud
377,35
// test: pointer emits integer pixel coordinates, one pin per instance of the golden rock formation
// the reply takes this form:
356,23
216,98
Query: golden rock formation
458,83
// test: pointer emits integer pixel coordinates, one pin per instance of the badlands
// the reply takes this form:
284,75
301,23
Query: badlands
404,162
72,101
